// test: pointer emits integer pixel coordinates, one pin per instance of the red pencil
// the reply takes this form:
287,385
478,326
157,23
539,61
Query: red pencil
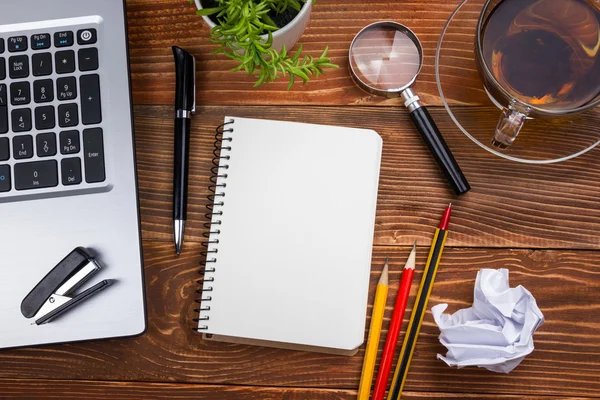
385,366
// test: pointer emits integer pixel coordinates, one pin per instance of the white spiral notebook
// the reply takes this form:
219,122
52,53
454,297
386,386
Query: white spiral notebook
289,251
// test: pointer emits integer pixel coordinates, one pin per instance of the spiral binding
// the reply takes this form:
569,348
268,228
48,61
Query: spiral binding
214,209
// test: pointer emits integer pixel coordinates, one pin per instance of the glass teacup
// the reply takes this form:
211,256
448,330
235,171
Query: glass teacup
538,58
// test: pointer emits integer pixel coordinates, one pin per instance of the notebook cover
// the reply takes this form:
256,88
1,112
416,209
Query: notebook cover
295,235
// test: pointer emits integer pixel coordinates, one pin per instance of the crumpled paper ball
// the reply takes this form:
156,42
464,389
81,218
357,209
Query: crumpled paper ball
496,333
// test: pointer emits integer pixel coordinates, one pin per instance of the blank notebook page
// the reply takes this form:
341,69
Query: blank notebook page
296,234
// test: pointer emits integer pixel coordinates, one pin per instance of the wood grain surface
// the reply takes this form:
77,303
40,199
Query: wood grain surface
93,390
540,222
155,26
565,284
511,204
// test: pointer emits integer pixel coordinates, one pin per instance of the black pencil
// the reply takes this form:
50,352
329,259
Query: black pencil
414,326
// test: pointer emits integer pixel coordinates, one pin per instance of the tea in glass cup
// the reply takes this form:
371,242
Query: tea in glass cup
538,58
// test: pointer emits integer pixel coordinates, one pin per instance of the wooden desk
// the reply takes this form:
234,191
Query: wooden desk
548,235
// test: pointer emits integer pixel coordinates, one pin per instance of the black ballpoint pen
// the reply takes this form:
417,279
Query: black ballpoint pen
185,107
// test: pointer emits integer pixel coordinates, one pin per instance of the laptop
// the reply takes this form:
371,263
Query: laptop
67,166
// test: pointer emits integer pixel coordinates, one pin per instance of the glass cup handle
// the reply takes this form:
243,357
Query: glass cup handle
511,121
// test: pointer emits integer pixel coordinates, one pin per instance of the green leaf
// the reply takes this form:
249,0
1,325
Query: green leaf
269,41
329,65
301,74
209,11
238,68
294,4
298,53
291,82
268,22
324,53
250,67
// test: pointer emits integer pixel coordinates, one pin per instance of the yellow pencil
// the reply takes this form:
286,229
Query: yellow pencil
374,331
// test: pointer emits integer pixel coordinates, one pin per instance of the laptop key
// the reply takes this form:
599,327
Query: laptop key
3,119
40,41
63,39
69,142
71,171
88,59
86,36
4,149
21,120
3,95
46,144
64,61
91,109
17,43
41,64
36,175
18,67
66,88
44,118
2,68
22,147
68,115
43,91
93,155
20,93
1,45
5,178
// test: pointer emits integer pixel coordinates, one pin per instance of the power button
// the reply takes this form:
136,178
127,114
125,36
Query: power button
86,36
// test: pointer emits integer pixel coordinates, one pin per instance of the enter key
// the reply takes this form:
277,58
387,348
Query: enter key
93,155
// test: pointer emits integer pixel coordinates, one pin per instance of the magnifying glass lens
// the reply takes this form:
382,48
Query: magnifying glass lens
385,58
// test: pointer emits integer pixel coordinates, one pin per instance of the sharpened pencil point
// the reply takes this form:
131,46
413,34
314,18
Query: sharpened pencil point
411,261
383,280
445,221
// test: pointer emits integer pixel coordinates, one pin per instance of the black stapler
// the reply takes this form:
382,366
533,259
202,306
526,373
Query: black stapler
52,297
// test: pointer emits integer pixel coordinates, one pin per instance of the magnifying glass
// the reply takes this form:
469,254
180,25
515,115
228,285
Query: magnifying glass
385,59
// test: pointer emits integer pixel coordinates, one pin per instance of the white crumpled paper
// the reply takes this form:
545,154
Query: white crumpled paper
497,331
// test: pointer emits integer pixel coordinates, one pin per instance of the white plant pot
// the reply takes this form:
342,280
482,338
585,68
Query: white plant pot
288,35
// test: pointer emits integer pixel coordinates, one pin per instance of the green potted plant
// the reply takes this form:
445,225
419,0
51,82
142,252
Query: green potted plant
259,33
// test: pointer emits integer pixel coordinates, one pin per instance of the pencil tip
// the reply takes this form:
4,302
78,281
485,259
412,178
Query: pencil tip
387,259
383,279
450,205
410,262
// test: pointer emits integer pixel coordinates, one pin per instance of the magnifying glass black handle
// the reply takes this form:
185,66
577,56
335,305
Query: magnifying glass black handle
442,154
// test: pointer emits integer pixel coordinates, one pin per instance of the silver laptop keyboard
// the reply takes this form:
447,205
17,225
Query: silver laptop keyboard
51,138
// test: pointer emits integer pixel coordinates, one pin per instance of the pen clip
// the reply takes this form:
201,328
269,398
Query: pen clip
194,104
